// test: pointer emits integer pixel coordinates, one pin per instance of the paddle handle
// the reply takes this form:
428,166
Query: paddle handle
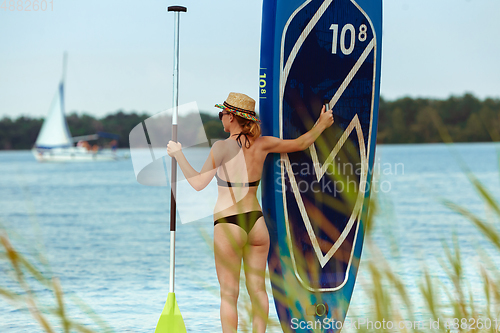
175,104
176,9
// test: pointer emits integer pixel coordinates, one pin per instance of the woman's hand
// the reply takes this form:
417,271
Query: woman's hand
173,148
325,118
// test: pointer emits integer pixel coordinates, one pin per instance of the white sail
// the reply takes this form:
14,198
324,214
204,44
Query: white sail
54,132
54,142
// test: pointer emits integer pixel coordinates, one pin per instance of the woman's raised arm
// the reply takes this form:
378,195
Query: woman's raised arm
276,145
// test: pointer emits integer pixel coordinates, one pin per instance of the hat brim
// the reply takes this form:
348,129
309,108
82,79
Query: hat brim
238,113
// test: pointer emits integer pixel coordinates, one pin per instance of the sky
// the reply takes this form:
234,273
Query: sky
120,53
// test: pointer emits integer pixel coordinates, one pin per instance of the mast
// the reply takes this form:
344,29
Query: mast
65,63
55,131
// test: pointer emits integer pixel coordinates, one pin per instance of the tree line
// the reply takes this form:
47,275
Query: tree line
22,132
463,118
405,120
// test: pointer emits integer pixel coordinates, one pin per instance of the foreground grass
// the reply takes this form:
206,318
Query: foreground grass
30,282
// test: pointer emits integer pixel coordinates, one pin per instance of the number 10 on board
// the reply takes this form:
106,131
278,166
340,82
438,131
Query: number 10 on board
362,35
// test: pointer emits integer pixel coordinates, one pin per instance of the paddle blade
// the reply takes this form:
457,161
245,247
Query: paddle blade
171,319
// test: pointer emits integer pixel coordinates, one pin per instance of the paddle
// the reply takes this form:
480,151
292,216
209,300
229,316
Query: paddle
171,319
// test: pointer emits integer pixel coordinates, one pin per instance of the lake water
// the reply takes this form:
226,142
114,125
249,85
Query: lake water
107,237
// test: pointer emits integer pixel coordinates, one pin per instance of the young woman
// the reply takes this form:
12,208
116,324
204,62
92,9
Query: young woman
240,231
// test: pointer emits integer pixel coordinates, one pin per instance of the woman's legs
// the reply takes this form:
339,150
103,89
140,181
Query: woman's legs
254,259
229,240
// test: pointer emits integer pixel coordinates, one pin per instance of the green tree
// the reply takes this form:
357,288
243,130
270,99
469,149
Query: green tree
474,129
423,129
491,121
214,130
398,127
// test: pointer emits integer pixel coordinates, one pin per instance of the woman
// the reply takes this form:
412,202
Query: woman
240,231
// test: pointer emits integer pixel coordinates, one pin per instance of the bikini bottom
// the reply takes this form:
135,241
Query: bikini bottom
244,220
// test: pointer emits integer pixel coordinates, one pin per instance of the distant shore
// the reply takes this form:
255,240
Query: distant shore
405,120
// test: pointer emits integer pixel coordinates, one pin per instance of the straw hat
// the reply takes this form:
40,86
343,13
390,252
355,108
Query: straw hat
240,105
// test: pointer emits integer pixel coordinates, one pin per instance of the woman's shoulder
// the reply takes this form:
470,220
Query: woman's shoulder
221,144
263,139
224,146
264,142
228,144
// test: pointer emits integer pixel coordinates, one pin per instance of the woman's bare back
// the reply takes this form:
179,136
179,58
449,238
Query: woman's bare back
238,165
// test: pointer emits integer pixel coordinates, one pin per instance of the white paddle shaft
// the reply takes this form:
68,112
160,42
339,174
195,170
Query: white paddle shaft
175,103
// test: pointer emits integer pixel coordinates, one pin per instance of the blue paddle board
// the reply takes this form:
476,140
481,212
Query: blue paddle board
315,202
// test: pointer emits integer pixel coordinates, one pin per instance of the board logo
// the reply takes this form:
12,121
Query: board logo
319,310
329,51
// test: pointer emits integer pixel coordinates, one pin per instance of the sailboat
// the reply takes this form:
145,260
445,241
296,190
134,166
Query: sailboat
54,142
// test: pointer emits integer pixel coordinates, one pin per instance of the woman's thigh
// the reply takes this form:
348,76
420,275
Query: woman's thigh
255,255
229,240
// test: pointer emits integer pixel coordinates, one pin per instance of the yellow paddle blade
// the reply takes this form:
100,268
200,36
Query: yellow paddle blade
170,319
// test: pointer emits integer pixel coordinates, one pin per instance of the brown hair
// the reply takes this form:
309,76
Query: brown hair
249,127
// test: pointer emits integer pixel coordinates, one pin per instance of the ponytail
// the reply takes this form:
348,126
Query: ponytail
249,128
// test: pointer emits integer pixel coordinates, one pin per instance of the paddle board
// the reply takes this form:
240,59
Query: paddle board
315,202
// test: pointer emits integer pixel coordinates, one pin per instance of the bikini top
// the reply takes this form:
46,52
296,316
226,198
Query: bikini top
222,182
238,140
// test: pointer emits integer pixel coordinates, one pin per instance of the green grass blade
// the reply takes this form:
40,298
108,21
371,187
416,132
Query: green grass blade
485,194
488,230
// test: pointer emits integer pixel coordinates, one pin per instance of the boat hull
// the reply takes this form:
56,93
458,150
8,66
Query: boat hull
72,154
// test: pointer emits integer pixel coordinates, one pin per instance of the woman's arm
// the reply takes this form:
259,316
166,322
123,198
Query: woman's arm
198,180
276,145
